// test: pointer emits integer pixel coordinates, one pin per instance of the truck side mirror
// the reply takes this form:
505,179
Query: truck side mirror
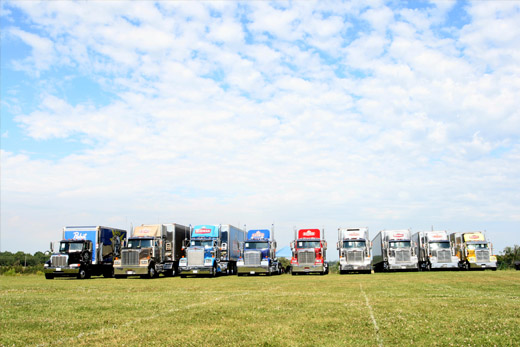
337,245
292,245
325,245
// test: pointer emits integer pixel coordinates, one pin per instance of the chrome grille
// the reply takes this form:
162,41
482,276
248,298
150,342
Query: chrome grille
252,258
195,257
444,256
306,257
59,260
130,257
355,257
482,255
402,256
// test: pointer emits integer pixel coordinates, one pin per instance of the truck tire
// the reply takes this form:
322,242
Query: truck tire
151,272
82,273
49,276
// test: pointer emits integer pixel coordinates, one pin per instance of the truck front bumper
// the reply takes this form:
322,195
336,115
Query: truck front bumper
308,268
61,271
130,270
252,270
480,265
196,270
355,267
404,266
440,266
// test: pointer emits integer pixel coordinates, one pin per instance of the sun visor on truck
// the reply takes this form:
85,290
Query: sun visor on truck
147,230
258,234
309,233
205,231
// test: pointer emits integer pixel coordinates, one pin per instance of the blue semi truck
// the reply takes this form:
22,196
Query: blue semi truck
259,254
212,250
85,251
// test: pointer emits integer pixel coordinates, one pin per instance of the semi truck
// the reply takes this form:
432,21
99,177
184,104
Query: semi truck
212,250
258,254
473,251
392,250
354,250
85,251
309,252
153,249
434,250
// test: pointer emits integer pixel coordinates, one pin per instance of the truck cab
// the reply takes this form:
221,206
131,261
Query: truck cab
434,250
72,258
258,254
309,253
354,250
473,251
212,250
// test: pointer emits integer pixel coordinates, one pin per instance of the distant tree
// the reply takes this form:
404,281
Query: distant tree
509,256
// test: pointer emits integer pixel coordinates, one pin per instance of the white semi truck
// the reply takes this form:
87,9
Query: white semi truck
392,250
354,250
434,250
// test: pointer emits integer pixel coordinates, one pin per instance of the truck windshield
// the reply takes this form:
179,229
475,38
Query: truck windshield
256,245
66,247
202,243
136,243
439,245
477,246
353,244
399,244
308,244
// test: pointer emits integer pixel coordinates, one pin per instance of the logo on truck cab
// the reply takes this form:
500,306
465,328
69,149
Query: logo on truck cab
203,231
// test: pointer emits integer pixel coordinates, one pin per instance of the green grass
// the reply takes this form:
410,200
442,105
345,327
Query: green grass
438,308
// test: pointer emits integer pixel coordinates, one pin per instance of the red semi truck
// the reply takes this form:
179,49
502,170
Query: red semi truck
309,252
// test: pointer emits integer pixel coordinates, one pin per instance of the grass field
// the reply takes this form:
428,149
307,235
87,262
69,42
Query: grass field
438,308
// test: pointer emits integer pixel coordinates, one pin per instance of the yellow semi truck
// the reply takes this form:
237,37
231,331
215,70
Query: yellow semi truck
473,251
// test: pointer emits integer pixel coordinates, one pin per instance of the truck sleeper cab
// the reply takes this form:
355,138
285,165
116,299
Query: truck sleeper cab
354,250
258,254
309,253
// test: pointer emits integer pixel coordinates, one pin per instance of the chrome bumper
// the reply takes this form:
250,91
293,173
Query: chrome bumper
252,269
130,270
196,270
445,266
63,271
307,268
480,265
356,267
409,266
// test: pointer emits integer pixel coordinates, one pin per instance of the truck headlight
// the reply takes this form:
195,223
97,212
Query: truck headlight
240,263
472,259
264,263
492,258
45,265
183,261
208,261
117,262
144,262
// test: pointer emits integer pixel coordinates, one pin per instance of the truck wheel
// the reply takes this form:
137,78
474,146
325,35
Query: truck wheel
151,272
214,272
49,276
82,274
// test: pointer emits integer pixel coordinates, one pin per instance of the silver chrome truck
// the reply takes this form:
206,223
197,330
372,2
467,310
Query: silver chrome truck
258,254
212,250
473,251
152,249
354,250
434,250
392,250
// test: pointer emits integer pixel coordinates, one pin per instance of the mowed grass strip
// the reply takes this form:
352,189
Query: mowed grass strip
437,308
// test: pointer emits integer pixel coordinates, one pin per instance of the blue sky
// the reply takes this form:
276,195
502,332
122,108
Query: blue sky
307,114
